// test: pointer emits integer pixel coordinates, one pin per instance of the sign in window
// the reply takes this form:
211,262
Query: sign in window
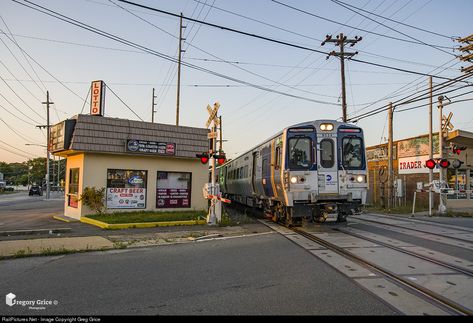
173,190
126,189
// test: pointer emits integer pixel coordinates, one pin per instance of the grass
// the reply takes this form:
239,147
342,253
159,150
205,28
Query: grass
147,216
394,210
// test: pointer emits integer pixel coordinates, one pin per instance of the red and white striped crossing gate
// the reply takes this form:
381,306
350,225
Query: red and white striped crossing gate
218,197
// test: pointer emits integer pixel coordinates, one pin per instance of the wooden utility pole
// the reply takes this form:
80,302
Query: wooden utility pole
468,51
153,104
48,103
341,41
442,205
220,148
390,156
179,70
431,152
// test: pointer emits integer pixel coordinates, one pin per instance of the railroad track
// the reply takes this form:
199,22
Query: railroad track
431,296
417,230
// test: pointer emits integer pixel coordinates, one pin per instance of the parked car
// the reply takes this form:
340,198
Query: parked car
35,189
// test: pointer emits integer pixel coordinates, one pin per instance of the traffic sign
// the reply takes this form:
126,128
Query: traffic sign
212,135
446,122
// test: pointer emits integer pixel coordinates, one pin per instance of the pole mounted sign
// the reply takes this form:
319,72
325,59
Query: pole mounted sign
213,115
97,95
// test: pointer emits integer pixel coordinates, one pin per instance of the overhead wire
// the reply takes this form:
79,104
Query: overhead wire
161,55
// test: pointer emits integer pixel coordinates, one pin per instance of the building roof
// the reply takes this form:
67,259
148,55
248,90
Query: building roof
110,135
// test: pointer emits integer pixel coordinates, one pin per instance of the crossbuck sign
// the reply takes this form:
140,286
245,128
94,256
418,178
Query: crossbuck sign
213,114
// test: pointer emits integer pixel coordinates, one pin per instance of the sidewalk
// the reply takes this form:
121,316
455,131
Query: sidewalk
126,238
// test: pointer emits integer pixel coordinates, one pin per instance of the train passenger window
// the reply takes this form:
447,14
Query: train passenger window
299,153
352,153
277,163
327,159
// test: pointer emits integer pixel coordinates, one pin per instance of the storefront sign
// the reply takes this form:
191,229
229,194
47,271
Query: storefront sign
172,198
415,165
150,147
97,102
173,190
126,189
417,146
126,198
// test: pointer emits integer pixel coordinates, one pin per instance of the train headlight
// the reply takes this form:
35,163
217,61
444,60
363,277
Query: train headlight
326,127
293,179
360,178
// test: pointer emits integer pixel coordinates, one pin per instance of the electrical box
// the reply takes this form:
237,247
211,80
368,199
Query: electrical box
399,188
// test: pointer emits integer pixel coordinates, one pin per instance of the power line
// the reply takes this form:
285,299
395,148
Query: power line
16,132
395,21
161,55
360,29
124,103
395,30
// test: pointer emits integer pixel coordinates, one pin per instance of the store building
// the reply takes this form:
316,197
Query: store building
409,157
142,165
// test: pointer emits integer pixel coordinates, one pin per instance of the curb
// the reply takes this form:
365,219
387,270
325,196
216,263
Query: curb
38,231
116,226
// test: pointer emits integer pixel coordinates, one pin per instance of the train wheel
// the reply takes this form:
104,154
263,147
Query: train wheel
288,213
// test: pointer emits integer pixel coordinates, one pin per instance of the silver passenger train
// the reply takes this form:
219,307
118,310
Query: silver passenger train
313,170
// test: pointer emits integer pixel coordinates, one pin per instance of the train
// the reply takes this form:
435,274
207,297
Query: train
312,171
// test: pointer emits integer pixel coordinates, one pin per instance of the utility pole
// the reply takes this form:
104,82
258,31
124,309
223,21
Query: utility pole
468,50
390,155
153,104
431,152
179,69
442,205
48,103
341,41
221,137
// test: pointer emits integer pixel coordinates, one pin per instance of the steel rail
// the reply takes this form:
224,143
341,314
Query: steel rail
418,230
441,300
411,253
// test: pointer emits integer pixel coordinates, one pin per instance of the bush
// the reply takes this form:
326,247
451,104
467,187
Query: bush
94,199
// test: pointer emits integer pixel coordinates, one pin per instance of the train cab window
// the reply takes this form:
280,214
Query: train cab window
327,159
299,153
352,153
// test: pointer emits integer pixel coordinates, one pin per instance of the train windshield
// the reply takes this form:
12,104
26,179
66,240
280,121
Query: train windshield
300,156
352,153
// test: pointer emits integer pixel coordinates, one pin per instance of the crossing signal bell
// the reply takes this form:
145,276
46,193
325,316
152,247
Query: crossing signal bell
204,158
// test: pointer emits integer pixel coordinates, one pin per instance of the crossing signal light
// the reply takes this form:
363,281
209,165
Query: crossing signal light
457,150
430,164
444,163
220,158
456,163
204,158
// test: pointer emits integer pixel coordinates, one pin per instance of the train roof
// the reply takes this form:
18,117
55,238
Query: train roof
314,123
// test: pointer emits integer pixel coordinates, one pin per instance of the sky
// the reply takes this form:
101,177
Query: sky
265,83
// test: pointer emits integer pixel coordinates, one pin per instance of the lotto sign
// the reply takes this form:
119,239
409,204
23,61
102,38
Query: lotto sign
97,102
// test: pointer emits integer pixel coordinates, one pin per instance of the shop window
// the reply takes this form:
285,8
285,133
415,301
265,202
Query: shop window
126,189
173,190
73,190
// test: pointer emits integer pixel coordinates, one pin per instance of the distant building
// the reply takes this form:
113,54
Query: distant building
409,157
142,165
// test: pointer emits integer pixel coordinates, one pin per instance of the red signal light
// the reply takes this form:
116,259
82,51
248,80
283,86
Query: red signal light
444,163
221,161
204,158
430,164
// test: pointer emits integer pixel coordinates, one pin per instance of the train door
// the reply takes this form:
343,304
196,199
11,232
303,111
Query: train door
276,164
327,165
256,174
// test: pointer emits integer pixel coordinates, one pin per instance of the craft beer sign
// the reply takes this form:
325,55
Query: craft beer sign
97,103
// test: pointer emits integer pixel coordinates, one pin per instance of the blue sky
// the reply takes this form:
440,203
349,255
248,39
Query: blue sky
76,57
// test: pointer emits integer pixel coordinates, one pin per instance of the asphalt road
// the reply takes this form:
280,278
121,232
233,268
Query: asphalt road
264,274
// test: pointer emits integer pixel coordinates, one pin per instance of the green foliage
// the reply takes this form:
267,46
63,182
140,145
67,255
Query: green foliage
147,216
94,199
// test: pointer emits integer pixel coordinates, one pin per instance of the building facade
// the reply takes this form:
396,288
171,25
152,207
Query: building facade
142,166
409,157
